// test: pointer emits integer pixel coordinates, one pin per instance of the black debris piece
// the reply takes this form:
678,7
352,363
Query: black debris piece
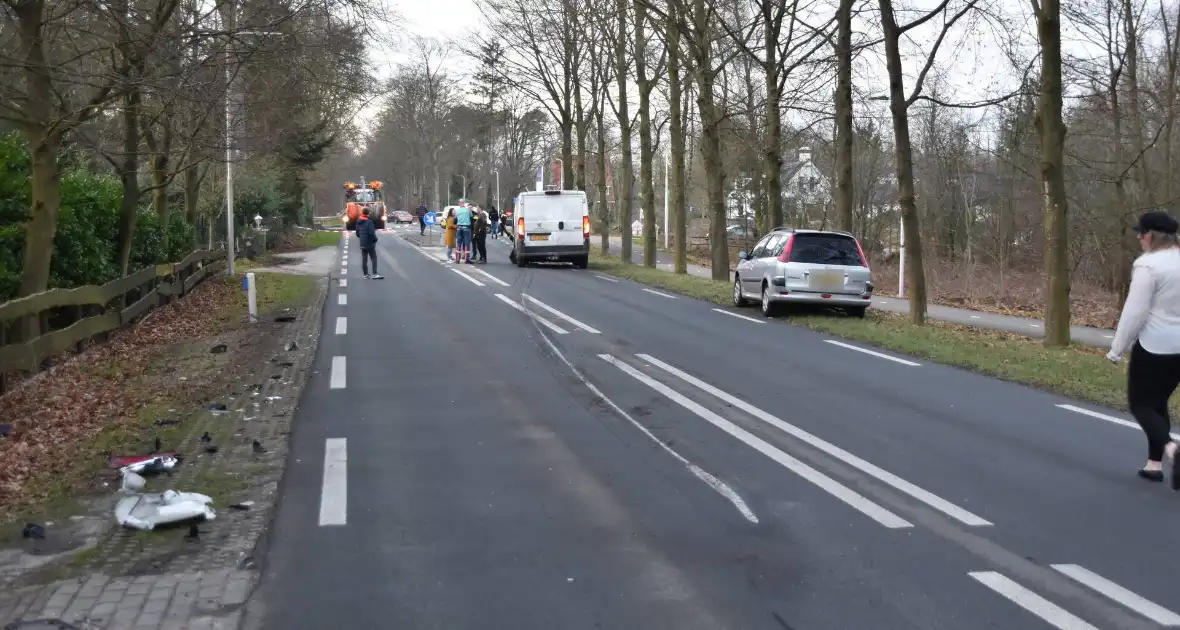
276,376
286,364
5,429
167,422
215,407
243,505
211,449
219,348
205,437
285,319
292,346
258,447
33,531
193,535
158,446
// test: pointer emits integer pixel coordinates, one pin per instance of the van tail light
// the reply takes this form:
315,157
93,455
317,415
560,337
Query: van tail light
586,227
520,227
786,255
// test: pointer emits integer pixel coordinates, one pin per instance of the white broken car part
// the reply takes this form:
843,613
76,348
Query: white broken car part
159,463
147,511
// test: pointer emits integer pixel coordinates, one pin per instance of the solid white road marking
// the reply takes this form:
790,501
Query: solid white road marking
749,319
1108,336
1145,607
1030,601
339,376
343,283
557,313
606,278
1102,416
835,488
670,297
876,354
544,322
341,325
897,483
334,492
1034,325
468,278
342,299
491,277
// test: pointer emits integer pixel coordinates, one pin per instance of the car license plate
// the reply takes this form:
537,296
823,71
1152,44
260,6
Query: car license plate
538,237
827,279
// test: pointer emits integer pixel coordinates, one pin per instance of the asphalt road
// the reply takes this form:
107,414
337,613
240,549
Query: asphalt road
1032,327
599,455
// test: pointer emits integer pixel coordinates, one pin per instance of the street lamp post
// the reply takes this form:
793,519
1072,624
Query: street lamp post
497,172
464,187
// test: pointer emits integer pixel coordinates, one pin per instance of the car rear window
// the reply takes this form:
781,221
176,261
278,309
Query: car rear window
825,249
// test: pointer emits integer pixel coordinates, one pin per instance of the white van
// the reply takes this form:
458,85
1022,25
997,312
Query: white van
552,226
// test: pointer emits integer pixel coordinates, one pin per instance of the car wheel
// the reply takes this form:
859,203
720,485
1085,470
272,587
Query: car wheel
520,261
858,311
582,262
738,300
769,308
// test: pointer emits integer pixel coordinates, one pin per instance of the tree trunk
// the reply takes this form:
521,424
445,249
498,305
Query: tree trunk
129,175
676,142
1052,131
580,127
192,193
843,197
773,154
903,158
603,202
647,194
714,175
623,186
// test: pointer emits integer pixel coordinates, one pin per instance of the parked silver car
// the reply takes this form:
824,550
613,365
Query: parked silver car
804,266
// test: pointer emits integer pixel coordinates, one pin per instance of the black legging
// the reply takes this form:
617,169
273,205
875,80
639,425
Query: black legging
1151,380
367,254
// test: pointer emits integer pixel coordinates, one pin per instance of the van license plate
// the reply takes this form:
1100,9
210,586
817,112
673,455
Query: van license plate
538,237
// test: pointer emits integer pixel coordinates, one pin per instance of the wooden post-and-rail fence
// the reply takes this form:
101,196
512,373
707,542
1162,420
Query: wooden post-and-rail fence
35,328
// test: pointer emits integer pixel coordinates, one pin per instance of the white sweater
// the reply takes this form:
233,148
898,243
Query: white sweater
1151,314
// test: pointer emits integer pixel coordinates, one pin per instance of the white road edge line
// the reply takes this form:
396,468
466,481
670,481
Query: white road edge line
716,484
1030,601
544,322
749,319
557,313
339,378
606,278
886,477
341,325
342,299
343,283
468,278
334,492
1102,416
879,355
491,277
664,295
833,487
1141,605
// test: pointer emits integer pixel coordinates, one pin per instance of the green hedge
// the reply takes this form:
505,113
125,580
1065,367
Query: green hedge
84,248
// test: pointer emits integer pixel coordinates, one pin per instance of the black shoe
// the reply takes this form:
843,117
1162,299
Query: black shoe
1152,475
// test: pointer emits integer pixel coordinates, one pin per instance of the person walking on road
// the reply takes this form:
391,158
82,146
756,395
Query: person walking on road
480,236
463,220
449,232
494,221
1150,329
366,235
421,211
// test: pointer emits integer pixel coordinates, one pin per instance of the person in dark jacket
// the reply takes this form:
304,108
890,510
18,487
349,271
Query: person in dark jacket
421,211
480,236
366,234
494,221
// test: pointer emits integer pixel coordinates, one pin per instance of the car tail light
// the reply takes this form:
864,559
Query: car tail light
586,227
864,261
520,227
786,255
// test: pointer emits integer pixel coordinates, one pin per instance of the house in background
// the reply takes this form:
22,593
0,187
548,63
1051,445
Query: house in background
806,190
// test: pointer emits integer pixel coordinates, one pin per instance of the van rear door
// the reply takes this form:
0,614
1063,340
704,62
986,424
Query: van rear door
553,220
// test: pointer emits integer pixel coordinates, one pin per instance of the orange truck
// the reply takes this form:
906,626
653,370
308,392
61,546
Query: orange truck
369,195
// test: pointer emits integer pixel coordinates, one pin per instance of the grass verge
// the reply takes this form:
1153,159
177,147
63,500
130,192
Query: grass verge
1077,372
311,239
